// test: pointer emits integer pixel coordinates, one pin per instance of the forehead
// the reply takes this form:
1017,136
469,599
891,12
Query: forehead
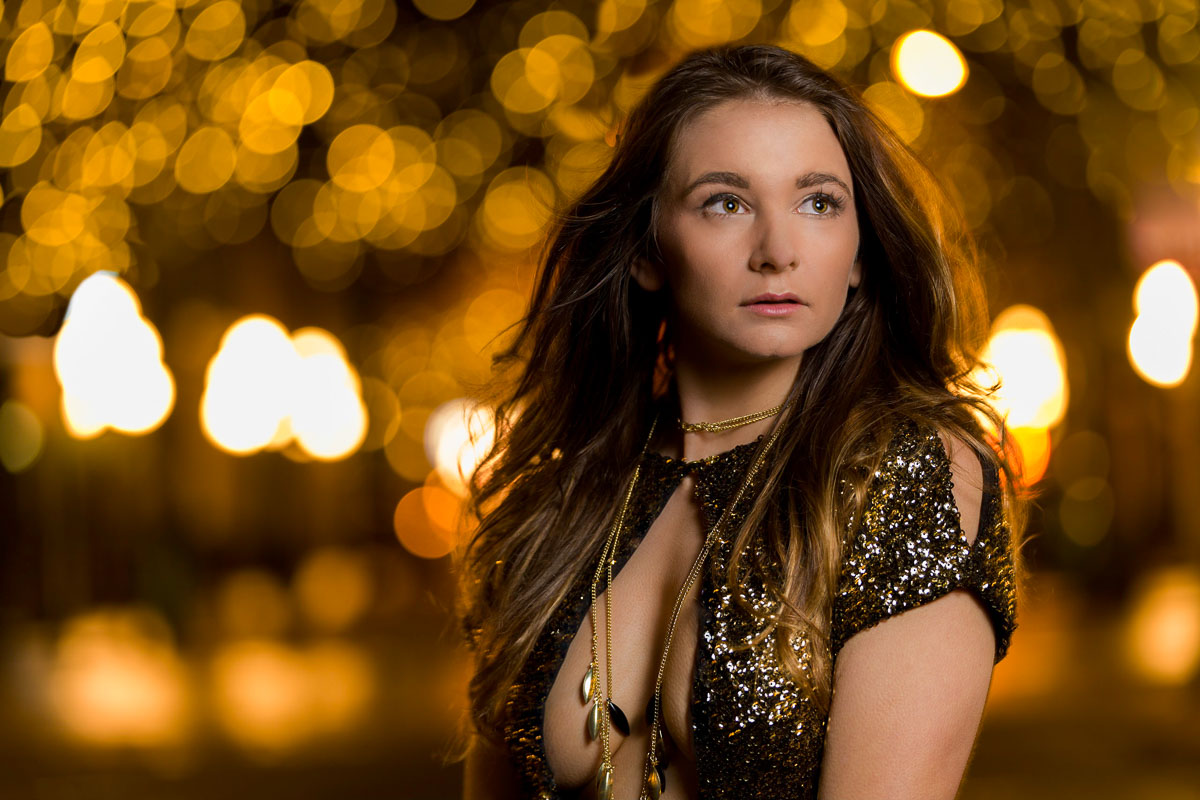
759,139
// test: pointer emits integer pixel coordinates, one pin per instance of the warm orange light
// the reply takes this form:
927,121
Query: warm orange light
270,697
22,436
1034,445
264,388
1028,356
259,692
426,521
457,437
1163,633
1160,339
333,587
928,64
117,680
109,361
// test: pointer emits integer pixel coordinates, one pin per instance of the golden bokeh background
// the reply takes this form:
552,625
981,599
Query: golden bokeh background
255,258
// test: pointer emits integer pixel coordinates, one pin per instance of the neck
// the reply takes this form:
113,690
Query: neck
712,395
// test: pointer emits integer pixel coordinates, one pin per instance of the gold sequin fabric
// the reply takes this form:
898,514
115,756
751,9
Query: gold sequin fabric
756,734
910,548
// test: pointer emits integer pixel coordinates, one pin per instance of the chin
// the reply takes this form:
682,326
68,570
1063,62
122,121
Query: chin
763,353
745,348
777,347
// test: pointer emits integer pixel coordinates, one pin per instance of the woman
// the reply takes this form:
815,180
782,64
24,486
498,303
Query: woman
741,398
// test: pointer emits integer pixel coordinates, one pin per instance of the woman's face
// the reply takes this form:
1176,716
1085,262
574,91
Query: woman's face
758,200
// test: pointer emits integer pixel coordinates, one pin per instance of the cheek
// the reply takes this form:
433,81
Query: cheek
842,253
702,296
695,275
841,274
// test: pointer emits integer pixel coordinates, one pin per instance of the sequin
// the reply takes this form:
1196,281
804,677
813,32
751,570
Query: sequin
756,734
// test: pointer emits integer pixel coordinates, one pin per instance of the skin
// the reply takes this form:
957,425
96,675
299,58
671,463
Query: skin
758,198
909,693
734,223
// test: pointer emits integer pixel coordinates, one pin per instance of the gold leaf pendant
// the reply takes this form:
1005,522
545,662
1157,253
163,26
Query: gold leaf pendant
588,678
604,783
593,721
656,782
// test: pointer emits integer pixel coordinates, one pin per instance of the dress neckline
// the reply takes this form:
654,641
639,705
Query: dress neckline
732,453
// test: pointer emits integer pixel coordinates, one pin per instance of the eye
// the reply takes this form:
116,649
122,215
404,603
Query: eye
824,205
725,205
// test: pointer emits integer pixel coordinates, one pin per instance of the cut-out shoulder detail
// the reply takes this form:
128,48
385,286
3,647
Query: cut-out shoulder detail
967,479
909,547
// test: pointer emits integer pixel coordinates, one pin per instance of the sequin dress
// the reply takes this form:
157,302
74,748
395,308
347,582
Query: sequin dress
755,732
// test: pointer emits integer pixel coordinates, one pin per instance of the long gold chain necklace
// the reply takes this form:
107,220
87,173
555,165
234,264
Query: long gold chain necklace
601,715
728,424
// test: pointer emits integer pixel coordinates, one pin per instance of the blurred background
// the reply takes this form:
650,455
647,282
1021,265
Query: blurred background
254,258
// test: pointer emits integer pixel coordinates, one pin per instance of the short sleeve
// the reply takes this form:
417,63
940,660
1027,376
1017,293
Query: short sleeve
908,547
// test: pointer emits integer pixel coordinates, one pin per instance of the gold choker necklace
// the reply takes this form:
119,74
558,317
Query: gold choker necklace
728,424
604,713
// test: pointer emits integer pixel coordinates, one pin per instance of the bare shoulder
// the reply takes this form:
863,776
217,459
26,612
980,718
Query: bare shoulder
967,474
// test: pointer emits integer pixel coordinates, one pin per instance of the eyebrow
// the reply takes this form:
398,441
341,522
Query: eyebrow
734,179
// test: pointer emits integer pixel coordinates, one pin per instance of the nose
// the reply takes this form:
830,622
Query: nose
774,248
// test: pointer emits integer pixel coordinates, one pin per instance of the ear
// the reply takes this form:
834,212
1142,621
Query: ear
856,273
647,274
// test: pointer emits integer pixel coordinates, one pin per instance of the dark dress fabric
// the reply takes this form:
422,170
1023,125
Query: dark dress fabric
755,732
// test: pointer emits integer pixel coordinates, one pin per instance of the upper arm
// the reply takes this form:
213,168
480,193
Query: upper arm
487,773
909,691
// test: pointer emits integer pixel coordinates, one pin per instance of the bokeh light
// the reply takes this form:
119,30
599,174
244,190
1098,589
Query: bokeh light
428,521
143,100
333,588
457,437
265,388
1025,354
928,64
1163,633
117,680
1160,339
896,107
270,697
251,603
1082,469
21,436
108,359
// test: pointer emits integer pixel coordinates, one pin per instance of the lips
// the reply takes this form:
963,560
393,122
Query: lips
772,299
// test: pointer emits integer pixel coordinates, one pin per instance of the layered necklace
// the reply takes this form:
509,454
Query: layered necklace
728,424
604,714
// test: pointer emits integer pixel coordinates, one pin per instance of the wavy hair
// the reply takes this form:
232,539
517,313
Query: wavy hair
576,386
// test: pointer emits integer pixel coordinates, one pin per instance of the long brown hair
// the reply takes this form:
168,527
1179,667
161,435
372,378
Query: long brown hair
587,362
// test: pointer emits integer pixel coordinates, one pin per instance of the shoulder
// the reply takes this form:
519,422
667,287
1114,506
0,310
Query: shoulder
923,450
923,462
967,479
927,470
917,537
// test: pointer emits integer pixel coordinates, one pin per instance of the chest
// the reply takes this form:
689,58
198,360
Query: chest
641,599
731,716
